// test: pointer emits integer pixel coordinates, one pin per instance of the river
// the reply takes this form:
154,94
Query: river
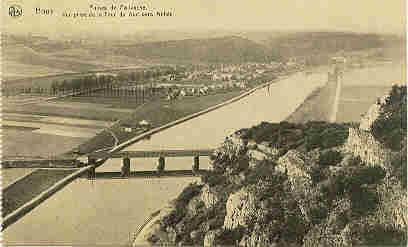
109,211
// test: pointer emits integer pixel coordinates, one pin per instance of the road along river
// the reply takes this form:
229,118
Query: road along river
109,211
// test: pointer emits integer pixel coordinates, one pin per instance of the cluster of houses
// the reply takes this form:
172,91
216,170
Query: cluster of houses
201,90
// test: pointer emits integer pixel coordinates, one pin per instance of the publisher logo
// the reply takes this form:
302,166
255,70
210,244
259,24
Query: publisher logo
15,11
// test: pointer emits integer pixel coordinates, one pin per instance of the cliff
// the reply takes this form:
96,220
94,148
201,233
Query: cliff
282,184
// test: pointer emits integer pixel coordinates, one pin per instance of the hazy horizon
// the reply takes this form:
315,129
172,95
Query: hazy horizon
364,16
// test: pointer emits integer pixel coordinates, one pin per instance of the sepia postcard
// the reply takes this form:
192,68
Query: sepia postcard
203,123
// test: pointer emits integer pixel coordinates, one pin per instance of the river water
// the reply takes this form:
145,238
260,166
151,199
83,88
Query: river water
109,211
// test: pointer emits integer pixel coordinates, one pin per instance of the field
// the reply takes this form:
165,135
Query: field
65,108
157,112
29,135
34,126
22,143
8,176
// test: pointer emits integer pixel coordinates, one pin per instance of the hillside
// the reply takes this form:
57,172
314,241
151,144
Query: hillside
35,56
282,184
232,49
320,44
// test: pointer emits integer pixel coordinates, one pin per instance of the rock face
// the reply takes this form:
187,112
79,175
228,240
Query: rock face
240,208
362,143
208,196
261,152
372,114
273,153
297,166
316,194
393,207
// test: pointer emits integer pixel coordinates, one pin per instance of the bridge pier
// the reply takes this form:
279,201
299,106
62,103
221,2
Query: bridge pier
125,172
91,171
162,164
196,163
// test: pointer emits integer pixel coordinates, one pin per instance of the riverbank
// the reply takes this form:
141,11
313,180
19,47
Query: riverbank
102,195
328,185
160,113
25,189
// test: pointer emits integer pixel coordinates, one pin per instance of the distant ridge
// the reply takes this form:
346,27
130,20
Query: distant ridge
229,49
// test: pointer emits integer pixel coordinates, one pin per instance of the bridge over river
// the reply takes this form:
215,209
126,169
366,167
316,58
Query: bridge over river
108,211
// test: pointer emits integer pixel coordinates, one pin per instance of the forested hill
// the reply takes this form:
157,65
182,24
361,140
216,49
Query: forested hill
231,49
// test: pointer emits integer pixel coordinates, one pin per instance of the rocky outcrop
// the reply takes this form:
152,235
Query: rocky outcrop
208,196
256,157
362,144
261,152
315,194
297,166
271,152
240,208
393,207
372,114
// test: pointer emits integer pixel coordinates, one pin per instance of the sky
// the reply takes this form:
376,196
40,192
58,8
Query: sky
378,16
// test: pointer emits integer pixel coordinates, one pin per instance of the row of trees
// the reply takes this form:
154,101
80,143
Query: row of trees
83,83
146,75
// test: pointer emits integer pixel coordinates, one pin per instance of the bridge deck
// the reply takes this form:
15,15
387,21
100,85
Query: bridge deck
154,153
149,174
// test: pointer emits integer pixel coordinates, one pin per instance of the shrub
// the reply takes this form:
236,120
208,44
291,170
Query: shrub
213,178
230,237
391,126
287,136
330,157
399,165
381,236
188,192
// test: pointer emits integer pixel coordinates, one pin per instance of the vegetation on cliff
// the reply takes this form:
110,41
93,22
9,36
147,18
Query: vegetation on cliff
292,185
